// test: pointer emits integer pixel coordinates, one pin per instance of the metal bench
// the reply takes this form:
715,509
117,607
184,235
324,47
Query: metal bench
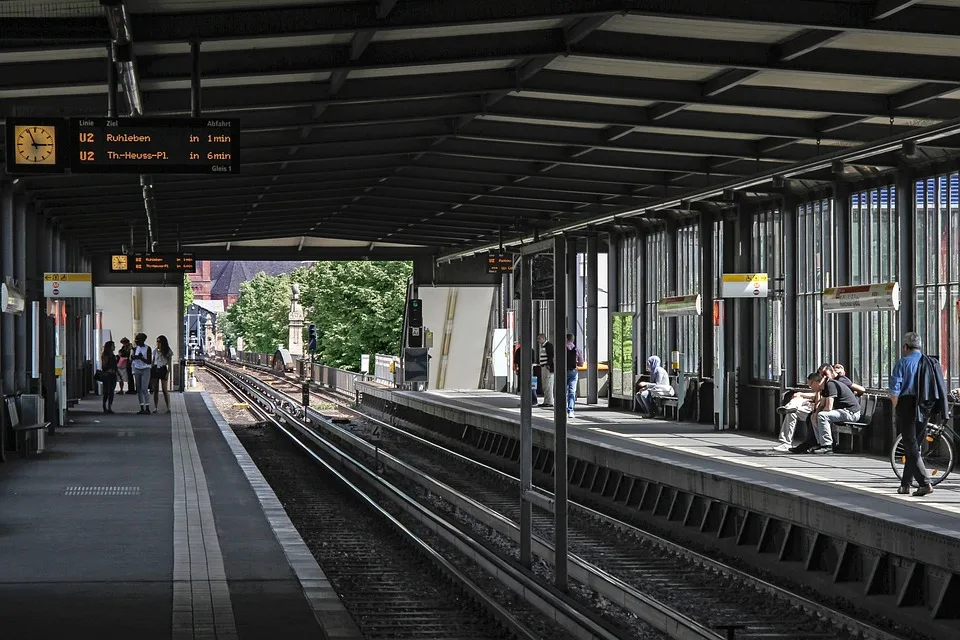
671,402
22,431
868,405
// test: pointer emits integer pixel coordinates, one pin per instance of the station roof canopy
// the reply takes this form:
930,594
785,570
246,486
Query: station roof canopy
439,125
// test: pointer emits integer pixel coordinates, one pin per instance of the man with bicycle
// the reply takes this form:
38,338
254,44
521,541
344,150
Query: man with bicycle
918,393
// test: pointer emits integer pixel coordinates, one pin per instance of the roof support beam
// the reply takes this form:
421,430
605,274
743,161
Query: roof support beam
886,8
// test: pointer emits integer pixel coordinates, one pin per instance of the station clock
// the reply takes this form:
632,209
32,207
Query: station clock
35,144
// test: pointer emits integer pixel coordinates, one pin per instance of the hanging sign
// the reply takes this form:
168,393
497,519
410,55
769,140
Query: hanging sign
67,285
744,285
11,299
868,297
499,263
680,306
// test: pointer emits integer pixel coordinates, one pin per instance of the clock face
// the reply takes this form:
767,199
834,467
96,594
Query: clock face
119,263
36,144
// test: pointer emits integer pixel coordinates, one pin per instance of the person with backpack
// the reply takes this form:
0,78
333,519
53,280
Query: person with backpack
657,387
574,359
142,360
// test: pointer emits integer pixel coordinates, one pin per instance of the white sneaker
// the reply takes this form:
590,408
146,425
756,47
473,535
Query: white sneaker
782,447
570,414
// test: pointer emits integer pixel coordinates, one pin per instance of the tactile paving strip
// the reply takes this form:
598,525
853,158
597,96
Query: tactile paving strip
101,491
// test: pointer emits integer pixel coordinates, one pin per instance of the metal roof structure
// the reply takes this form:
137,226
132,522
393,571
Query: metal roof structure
444,126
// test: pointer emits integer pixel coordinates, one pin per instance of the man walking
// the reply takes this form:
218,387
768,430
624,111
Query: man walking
917,392
547,368
574,358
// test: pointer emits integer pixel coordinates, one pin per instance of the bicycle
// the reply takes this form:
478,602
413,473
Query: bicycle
936,451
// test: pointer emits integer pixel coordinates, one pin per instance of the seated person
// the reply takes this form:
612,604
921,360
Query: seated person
658,387
838,404
799,407
840,374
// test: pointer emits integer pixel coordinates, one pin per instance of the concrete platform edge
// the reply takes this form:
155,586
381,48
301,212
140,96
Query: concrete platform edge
322,598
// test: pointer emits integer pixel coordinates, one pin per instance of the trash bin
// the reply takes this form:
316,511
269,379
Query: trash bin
31,412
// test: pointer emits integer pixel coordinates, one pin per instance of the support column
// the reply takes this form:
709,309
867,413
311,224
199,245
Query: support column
613,301
8,348
841,216
559,411
906,232
20,274
592,332
707,281
526,408
673,289
789,209
570,299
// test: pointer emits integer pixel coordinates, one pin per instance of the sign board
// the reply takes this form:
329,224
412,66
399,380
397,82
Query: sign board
499,263
67,285
680,306
153,263
122,145
744,285
416,365
868,297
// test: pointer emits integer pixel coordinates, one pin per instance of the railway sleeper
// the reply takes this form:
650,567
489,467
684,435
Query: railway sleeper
870,580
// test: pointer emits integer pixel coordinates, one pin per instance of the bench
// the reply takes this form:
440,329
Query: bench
671,402
868,405
21,430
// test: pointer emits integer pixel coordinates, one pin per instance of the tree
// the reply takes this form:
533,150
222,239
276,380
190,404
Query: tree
259,315
187,291
357,307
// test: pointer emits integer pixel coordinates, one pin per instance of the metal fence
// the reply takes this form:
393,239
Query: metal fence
386,371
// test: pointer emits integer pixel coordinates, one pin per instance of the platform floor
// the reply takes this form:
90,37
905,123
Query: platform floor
857,482
154,526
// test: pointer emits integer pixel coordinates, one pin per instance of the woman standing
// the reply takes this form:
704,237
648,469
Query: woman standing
142,359
161,372
108,367
123,363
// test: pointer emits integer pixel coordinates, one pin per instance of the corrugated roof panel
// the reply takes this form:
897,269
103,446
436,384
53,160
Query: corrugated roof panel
895,43
60,90
181,6
484,65
236,81
591,99
50,9
631,68
828,82
539,121
777,113
213,46
52,54
698,133
467,30
707,29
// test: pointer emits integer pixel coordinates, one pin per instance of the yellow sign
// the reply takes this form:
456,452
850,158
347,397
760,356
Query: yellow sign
745,277
67,277
744,285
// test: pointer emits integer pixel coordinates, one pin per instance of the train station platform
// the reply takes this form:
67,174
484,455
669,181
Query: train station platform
154,526
728,484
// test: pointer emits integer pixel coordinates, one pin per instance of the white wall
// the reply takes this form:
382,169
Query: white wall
470,325
158,314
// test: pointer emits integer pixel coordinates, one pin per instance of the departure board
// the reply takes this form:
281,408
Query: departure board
154,145
153,263
499,263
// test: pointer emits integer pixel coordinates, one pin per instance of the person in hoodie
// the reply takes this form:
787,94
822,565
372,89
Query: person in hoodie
658,387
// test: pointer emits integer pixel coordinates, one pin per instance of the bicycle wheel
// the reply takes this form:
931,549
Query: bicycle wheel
937,454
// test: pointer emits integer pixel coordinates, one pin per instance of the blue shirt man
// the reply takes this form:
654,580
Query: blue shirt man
903,378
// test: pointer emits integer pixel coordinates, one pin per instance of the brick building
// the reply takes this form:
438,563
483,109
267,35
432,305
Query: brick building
221,279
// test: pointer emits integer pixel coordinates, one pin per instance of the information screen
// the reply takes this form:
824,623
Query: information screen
499,263
153,263
153,145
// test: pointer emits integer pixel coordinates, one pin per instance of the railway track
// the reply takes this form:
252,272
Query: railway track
682,593
391,592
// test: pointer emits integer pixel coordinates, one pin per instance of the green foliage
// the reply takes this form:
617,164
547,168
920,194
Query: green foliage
260,313
357,307
187,291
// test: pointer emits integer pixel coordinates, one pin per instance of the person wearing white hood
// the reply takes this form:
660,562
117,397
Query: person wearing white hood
658,387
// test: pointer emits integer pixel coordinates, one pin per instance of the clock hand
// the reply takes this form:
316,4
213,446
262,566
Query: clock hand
31,137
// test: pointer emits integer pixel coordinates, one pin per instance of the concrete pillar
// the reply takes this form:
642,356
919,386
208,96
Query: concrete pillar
613,300
592,330
789,208
570,303
20,273
8,342
841,217
673,289
907,276
707,281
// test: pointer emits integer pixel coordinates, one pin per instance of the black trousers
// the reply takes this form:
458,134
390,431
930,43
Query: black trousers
912,433
131,382
109,387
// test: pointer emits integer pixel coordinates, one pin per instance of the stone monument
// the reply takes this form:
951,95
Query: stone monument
295,319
